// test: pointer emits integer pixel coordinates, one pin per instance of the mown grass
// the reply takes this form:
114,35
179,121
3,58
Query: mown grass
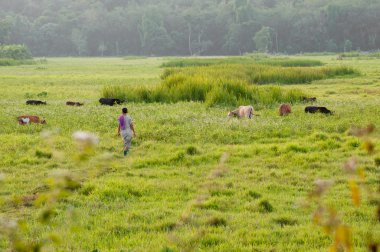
172,192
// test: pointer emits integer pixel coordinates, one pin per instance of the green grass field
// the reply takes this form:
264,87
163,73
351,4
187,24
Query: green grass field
172,192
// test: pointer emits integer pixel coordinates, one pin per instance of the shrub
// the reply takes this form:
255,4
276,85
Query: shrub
16,52
13,62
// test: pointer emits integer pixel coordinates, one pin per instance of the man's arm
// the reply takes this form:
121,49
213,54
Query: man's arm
133,129
118,130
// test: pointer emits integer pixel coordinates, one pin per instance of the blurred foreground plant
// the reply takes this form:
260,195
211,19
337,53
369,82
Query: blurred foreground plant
327,217
60,185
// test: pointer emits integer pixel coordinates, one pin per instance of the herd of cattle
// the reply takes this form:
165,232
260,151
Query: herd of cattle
284,109
241,112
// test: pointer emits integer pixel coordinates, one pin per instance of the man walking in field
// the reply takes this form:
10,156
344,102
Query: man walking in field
126,129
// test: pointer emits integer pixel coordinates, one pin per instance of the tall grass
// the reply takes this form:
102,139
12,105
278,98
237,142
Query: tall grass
260,74
350,54
364,55
290,62
284,62
226,85
201,88
216,93
188,62
13,62
134,57
317,53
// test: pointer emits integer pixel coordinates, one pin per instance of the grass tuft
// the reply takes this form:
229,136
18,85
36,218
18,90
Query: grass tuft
216,221
43,154
285,221
192,150
377,161
265,206
254,195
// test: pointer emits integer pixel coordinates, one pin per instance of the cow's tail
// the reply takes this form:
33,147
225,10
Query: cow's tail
250,113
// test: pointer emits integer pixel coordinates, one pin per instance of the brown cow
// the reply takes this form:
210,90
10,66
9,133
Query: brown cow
285,109
70,103
27,119
242,111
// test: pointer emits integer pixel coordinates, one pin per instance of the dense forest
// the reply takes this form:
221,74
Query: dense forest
189,27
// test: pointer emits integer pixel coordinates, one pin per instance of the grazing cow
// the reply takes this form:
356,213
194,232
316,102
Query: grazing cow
27,119
35,102
109,101
315,109
309,99
242,111
285,109
70,103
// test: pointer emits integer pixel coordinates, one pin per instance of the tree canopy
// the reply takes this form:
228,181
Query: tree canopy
183,27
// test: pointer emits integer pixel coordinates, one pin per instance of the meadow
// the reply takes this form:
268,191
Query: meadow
193,180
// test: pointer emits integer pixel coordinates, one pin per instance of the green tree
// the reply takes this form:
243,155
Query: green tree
331,46
204,27
263,39
347,46
5,28
154,37
79,40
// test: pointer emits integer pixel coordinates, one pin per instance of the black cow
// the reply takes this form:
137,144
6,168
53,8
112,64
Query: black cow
35,102
315,109
109,101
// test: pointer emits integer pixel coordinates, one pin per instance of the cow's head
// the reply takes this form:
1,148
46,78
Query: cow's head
43,121
232,114
20,121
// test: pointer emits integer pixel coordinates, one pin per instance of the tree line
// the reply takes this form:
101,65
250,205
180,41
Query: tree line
183,27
